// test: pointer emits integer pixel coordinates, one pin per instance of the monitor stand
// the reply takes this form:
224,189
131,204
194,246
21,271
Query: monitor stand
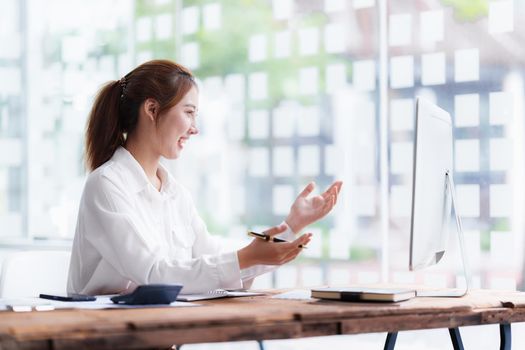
450,190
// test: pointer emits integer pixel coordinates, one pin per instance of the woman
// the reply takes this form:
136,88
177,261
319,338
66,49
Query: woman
136,224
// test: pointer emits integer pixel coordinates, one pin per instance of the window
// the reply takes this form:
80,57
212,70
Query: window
290,93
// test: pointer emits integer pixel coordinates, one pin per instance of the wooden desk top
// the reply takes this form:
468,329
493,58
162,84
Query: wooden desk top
249,318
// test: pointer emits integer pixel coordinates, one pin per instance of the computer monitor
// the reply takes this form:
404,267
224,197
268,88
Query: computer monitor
433,193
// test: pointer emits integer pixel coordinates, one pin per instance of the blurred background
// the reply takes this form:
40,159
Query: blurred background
292,91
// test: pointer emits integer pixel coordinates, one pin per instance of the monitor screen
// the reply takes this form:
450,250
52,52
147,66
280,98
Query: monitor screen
431,204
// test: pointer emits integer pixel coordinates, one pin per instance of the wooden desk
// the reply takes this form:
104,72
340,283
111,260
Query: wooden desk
249,318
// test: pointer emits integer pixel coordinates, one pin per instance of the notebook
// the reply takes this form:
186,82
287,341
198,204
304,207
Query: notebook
364,294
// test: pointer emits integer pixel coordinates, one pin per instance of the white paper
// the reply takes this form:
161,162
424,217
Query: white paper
296,294
283,161
467,155
164,26
335,37
211,15
335,77
284,120
466,110
257,48
500,200
400,29
144,29
258,85
432,27
433,68
102,302
308,80
308,41
466,65
401,71
501,17
308,162
190,20
500,108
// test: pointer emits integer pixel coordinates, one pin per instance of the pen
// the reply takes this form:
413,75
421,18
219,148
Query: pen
270,238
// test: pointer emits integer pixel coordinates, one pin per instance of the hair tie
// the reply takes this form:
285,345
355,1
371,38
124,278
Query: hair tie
123,82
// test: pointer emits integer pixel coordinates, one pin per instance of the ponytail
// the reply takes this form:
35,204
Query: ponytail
104,134
115,112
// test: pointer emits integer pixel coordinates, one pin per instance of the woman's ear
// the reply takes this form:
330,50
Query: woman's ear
151,108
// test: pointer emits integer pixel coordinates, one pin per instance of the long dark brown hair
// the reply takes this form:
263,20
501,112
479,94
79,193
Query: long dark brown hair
116,109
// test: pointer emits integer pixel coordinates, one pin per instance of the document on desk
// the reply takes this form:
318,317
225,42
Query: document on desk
25,304
216,294
296,294
102,302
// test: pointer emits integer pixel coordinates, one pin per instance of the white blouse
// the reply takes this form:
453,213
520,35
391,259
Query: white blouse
128,234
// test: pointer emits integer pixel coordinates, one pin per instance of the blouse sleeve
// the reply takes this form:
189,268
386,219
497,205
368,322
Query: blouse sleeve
110,228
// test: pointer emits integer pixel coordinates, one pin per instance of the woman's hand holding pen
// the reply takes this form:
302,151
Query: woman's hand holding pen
261,252
306,211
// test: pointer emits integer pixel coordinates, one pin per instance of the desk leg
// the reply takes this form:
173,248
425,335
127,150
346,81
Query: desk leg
455,336
390,341
261,345
505,336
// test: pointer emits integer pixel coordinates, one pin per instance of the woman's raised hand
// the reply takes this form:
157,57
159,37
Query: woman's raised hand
306,211
261,252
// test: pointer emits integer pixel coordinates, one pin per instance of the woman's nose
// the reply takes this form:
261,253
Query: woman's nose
194,130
